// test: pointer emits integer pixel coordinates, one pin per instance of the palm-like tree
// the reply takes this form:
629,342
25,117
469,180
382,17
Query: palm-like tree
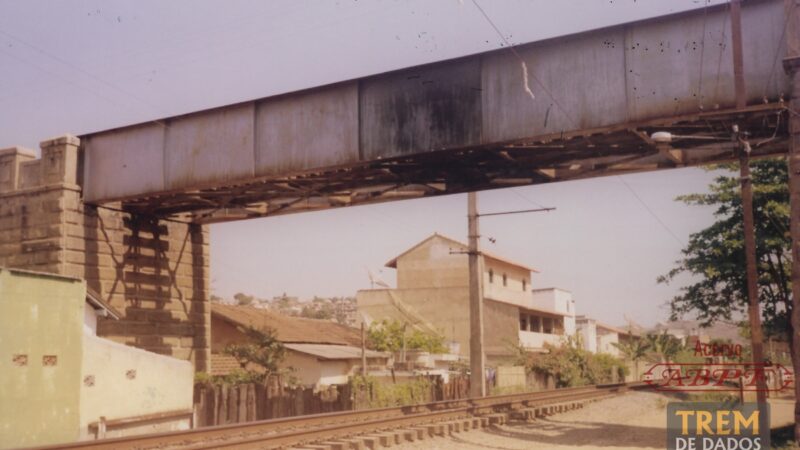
633,349
664,345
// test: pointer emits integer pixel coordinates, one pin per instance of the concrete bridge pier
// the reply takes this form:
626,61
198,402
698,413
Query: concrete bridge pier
156,272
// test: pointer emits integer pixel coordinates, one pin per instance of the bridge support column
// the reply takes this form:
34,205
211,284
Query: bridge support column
155,272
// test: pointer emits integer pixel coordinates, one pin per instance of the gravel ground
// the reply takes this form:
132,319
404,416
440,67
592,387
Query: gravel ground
634,420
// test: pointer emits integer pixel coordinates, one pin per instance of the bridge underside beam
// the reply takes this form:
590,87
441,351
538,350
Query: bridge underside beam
462,124
569,156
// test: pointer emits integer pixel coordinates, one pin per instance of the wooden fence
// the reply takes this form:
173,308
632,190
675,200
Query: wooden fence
224,404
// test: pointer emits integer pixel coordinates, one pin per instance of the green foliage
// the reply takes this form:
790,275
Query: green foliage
388,336
263,350
383,395
715,260
570,365
243,300
663,347
633,349
323,312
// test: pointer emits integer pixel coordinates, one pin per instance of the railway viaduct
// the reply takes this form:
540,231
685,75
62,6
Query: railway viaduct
127,209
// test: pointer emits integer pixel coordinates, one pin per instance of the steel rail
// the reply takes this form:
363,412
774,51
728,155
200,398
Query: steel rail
349,430
289,428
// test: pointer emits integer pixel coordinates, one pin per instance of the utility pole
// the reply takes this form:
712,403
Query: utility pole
363,351
477,358
748,222
754,310
792,65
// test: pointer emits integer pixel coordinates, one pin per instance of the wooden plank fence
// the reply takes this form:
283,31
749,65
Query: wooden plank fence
216,404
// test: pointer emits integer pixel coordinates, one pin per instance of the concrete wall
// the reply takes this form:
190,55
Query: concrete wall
605,342
120,381
433,265
532,339
510,377
513,291
587,331
41,322
501,331
155,272
446,311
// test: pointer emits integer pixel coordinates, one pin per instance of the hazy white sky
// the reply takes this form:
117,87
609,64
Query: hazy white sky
82,66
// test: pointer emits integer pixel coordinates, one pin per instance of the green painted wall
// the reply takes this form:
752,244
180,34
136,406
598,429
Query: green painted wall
40,315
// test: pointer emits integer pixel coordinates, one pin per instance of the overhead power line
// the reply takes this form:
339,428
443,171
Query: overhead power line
650,211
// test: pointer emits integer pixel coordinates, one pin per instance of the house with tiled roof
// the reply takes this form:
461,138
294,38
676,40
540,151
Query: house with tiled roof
320,352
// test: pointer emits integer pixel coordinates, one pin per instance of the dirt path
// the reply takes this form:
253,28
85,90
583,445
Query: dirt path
635,420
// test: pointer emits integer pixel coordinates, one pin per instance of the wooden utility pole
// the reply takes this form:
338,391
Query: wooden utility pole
754,310
748,221
792,66
477,359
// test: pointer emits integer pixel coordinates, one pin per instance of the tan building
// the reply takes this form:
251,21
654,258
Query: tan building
432,294
320,352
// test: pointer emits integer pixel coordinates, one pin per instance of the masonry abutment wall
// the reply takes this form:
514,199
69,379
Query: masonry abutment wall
155,272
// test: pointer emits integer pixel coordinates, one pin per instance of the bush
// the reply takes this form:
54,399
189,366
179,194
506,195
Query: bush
383,395
570,365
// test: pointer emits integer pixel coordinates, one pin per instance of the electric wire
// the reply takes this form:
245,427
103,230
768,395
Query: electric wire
651,212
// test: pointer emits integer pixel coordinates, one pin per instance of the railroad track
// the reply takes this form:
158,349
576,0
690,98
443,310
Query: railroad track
364,428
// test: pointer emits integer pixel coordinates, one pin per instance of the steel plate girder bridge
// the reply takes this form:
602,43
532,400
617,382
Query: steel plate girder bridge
464,124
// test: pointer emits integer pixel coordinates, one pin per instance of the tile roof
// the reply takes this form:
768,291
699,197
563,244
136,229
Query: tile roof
326,351
289,329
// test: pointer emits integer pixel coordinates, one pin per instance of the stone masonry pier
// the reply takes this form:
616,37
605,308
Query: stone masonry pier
155,271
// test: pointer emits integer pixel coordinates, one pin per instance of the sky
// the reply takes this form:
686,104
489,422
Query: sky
82,66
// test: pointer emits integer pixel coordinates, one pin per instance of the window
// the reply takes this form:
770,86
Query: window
491,276
505,280
524,285
548,325
536,324
523,323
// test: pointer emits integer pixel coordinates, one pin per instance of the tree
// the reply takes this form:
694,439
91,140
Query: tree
664,346
263,350
634,349
242,299
389,336
715,259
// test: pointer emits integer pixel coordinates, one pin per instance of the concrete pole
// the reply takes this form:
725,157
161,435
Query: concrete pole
363,351
477,359
754,310
792,63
